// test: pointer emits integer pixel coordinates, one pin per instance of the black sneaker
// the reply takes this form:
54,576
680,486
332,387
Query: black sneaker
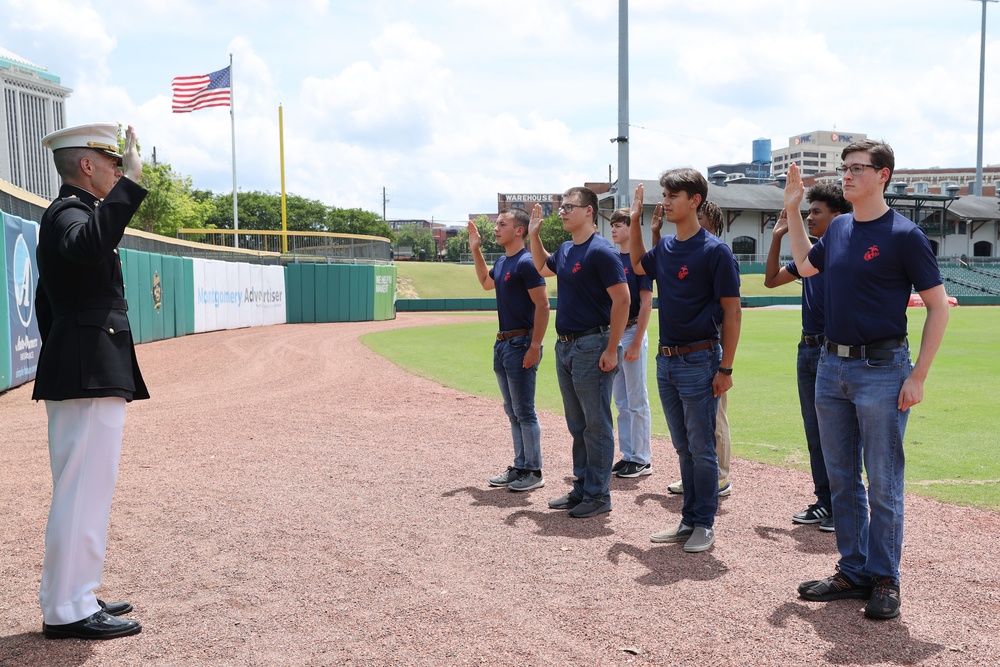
618,466
837,587
827,525
812,514
505,478
633,469
884,601
567,502
527,480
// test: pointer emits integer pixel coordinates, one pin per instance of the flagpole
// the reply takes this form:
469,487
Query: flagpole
232,118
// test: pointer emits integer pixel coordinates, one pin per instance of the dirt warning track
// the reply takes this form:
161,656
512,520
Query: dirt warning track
290,498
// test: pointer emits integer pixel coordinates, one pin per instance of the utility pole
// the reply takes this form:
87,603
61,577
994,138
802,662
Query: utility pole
384,200
978,187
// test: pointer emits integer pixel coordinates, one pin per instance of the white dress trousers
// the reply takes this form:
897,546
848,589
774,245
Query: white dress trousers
85,443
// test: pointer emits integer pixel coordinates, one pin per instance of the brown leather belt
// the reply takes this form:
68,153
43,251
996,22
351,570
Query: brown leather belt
813,341
676,350
573,335
513,333
632,322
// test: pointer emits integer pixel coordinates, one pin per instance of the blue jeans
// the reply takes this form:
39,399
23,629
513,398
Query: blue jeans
517,385
632,401
859,423
685,384
808,361
586,394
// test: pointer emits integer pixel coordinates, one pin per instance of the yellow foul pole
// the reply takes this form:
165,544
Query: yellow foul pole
284,213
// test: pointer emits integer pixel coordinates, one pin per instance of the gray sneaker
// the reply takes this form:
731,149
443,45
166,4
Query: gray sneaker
679,533
505,478
701,539
527,480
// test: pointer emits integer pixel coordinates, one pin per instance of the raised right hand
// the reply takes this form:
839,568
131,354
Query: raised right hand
535,224
474,238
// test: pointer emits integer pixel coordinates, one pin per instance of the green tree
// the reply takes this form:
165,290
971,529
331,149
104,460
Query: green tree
170,202
303,215
357,221
552,233
458,245
418,238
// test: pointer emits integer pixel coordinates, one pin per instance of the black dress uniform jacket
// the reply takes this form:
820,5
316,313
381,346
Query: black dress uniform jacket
87,347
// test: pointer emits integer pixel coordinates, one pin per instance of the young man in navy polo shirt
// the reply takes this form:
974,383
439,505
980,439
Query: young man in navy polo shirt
865,383
590,319
523,311
698,281
630,394
826,201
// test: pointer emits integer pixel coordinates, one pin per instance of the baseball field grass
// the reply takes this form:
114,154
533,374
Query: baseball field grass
430,280
951,438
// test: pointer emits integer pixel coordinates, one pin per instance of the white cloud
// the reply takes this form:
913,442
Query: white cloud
446,104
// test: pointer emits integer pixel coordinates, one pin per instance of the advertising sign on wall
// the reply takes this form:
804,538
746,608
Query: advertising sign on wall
232,295
19,358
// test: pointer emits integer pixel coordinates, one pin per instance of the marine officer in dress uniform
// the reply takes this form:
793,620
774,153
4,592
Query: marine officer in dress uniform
87,370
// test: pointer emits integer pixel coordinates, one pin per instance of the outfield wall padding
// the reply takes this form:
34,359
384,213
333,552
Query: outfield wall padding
340,292
20,341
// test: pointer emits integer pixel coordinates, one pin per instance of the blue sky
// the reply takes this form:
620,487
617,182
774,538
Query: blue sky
445,104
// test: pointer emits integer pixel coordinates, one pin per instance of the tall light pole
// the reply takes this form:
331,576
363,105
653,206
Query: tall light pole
622,196
978,187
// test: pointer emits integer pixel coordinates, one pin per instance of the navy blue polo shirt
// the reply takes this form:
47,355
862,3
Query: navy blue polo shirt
636,284
585,273
813,315
512,278
871,267
691,276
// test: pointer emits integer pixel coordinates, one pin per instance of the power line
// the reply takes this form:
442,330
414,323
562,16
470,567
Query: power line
687,136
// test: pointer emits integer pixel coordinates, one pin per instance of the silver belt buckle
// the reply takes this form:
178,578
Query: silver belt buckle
843,350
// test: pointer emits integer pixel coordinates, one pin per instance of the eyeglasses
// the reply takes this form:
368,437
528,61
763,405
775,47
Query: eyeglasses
568,208
855,169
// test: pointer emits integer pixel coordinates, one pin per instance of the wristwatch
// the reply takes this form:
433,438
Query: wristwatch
726,371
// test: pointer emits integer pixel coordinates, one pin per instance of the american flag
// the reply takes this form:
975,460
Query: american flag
197,92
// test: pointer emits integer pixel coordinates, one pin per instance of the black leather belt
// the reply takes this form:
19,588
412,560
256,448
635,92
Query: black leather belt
573,335
676,350
513,333
813,341
880,349
632,322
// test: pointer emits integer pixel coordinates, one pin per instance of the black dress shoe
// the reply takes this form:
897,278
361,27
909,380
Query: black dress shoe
99,625
115,608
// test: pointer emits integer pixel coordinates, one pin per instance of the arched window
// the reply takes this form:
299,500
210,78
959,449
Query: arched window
744,245
982,249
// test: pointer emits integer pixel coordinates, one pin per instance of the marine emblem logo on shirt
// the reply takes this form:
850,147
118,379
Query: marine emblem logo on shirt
576,267
682,274
872,253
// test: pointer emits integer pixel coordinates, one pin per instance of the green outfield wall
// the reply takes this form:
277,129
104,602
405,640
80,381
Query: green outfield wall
340,293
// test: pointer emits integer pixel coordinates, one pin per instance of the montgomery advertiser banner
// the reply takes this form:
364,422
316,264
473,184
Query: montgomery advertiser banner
230,295
20,341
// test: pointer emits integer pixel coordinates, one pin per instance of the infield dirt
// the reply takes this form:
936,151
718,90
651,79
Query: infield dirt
288,497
